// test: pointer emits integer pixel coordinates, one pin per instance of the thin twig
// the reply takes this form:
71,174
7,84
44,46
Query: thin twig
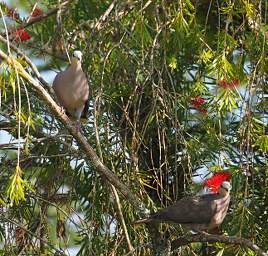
29,232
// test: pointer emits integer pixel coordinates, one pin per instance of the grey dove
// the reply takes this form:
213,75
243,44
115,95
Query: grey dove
200,213
72,89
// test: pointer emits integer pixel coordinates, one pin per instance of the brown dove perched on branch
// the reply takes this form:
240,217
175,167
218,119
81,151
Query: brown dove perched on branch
72,90
199,213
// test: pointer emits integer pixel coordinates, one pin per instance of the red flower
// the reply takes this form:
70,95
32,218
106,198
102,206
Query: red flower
234,83
228,85
37,12
223,84
198,102
203,110
22,35
214,182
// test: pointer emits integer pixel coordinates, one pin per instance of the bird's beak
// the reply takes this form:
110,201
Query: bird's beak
76,60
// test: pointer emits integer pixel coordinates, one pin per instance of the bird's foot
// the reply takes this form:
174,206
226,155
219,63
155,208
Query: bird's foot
217,231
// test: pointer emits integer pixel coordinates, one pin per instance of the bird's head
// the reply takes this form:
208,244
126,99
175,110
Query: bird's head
225,188
77,56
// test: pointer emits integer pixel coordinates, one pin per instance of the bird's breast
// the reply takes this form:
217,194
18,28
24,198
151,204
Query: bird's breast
72,92
220,212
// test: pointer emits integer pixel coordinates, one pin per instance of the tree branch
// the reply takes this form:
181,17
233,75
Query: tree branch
34,20
29,62
205,237
81,140
31,21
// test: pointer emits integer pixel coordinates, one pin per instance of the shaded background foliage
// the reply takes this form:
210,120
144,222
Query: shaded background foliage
177,86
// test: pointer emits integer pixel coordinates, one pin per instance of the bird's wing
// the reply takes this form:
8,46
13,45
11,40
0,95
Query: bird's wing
190,210
72,90
85,110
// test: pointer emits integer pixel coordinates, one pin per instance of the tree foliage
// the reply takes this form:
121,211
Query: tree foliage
176,86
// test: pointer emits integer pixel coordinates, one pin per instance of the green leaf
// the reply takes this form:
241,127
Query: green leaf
220,253
172,63
16,187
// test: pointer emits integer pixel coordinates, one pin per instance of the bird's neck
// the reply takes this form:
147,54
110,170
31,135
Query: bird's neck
223,193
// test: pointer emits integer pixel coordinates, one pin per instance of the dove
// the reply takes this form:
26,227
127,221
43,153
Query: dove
199,213
72,89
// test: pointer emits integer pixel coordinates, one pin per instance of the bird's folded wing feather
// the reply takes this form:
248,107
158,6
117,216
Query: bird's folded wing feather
190,210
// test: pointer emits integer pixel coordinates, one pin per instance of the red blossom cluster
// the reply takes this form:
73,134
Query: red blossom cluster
228,85
37,12
215,181
198,102
22,35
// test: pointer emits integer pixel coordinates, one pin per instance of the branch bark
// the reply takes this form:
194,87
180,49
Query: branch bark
205,237
34,20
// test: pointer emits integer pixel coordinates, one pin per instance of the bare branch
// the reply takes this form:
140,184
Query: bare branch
205,237
34,20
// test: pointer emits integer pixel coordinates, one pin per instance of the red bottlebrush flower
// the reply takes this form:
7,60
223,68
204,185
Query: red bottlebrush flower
214,182
228,85
203,110
37,12
22,35
223,84
234,84
198,102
